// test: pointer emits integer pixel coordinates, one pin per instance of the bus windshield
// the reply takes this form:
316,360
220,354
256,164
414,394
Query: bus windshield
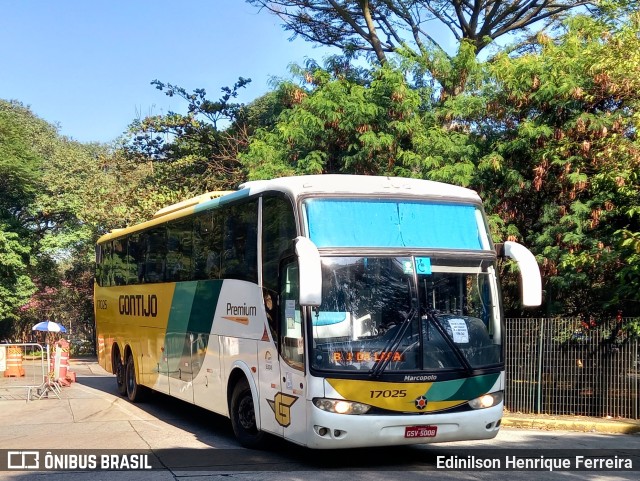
382,314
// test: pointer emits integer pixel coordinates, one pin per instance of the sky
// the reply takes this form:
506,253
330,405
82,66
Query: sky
87,65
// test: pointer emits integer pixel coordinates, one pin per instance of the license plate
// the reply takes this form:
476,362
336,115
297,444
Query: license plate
420,431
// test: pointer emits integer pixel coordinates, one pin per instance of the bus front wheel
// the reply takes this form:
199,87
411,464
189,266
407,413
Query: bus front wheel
135,392
243,417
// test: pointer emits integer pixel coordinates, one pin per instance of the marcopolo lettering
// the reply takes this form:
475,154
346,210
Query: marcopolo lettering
430,378
138,305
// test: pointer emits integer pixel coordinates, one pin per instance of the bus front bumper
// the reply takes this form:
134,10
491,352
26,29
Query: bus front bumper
334,431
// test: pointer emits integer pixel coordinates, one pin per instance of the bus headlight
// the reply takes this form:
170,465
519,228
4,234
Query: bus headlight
487,400
340,406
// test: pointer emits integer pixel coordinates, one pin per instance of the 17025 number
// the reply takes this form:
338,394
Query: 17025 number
388,393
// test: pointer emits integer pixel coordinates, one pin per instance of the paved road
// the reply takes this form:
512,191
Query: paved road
91,416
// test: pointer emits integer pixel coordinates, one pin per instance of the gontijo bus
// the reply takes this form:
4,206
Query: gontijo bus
334,311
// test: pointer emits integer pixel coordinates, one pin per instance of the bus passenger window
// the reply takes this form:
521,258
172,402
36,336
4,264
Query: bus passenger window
240,243
155,255
99,277
201,241
207,246
106,264
179,250
278,232
120,264
136,249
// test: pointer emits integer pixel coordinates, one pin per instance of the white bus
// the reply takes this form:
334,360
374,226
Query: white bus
334,311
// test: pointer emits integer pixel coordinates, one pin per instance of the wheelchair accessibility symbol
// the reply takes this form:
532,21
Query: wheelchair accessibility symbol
423,265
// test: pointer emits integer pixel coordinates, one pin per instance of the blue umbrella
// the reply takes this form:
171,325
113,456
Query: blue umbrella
49,326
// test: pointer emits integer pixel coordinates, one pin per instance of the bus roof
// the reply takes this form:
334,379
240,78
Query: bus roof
308,184
361,184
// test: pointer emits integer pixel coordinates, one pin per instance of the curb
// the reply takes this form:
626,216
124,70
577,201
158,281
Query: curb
591,425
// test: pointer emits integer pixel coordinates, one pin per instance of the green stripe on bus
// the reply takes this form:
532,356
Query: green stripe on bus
181,307
193,306
204,306
468,388
210,204
192,310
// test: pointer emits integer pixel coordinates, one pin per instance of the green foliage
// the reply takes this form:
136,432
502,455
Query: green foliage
68,299
19,162
15,284
632,328
57,197
628,275
547,138
562,160
383,30
20,182
193,152
372,123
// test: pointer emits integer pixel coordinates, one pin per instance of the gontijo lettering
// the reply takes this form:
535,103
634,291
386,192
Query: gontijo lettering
138,305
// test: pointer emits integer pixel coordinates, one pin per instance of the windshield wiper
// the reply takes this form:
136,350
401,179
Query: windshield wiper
393,343
432,319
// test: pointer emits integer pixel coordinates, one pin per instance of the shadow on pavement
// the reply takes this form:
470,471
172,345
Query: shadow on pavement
215,431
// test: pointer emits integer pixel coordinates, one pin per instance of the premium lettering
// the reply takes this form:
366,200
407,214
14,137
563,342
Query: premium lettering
138,305
242,310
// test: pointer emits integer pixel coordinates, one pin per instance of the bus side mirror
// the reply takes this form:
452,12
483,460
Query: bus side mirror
529,272
310,272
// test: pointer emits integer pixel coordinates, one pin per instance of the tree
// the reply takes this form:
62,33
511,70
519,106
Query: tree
340,122
19,184
196,151
561,162
57,197
19,163
410,26
15,284
344,120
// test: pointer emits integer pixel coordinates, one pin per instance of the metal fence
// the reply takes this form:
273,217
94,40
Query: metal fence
23,367
567,367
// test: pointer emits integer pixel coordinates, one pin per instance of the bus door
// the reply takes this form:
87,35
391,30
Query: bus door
161,366
290,405
269,370
179,348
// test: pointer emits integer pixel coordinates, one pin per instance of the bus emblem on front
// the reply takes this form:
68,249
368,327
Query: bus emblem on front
421,402
281,407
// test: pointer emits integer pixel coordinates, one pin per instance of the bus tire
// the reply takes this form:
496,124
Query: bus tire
243,417
120,372
135,392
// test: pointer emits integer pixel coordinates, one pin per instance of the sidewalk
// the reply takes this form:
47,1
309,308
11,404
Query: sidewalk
17,388
570,423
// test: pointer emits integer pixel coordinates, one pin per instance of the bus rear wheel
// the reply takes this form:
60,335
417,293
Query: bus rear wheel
135,392
120,372
243,417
